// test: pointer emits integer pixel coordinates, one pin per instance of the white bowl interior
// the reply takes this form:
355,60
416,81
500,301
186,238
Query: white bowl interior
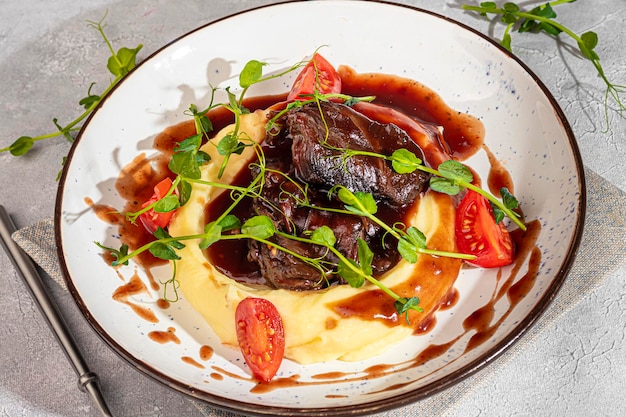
524,129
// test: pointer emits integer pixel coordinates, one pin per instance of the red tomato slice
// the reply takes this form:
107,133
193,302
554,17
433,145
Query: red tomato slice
151,219
261,336
318,75
477,233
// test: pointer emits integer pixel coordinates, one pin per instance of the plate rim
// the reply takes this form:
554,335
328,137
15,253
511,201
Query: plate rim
400,400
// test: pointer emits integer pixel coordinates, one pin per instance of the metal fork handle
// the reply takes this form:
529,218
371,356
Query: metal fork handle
87,380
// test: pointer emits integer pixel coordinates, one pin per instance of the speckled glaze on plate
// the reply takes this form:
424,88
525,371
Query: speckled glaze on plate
525,129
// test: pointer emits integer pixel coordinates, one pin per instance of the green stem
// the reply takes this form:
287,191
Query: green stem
315,263
612,89
497,203
147,246
342,258
70,127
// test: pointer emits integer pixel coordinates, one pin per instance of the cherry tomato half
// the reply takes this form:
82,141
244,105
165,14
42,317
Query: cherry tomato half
318,75
477,233
151,219
261,336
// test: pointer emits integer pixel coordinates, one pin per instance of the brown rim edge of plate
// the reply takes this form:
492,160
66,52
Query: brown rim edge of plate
232,405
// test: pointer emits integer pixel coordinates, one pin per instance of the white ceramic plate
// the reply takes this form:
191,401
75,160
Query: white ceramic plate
524,128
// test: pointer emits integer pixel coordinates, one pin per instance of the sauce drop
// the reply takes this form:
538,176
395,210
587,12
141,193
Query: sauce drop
206,352
463,135
167,336
134,287
191,361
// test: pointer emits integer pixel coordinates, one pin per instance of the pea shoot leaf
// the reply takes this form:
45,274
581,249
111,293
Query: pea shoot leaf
123,62
417,237
404,305
260,227
444,185
203,123
455,170
487,5
588,41
230,222
206,125
234,105
167,204
453,175
230,144
213,230
163,251
184,164
212,234
165,247
184,192
509,201
90,99
534,26
188,158
64,131
404,161
251,73
365,255
407,249
360,203
116,253
509,9
410,243
21,146
349,274
190,144
324,235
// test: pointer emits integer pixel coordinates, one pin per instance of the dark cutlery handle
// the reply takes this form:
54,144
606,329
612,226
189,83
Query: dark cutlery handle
87,380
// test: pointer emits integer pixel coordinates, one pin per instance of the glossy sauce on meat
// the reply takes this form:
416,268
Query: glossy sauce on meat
298,152
463,137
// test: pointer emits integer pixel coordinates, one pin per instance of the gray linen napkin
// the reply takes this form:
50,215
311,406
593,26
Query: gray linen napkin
605,227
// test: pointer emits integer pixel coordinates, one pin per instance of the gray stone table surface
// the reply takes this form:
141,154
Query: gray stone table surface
48,57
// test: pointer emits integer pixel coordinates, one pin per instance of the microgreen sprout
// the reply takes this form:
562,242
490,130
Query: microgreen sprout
119,64
410,242
449,178
316,97
542,19
188,158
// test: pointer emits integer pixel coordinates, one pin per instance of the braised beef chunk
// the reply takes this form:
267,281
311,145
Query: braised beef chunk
282,270
294,158
313,134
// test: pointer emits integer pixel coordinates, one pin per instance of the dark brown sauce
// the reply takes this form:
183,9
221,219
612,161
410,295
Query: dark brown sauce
450,300
206,352
464,136
191,361
463,132
331,375
136,181
217,376
167,336
499,176
481,323
230,256
124,293
369,305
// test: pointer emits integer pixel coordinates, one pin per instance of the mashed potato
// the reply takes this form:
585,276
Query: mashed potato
315,329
